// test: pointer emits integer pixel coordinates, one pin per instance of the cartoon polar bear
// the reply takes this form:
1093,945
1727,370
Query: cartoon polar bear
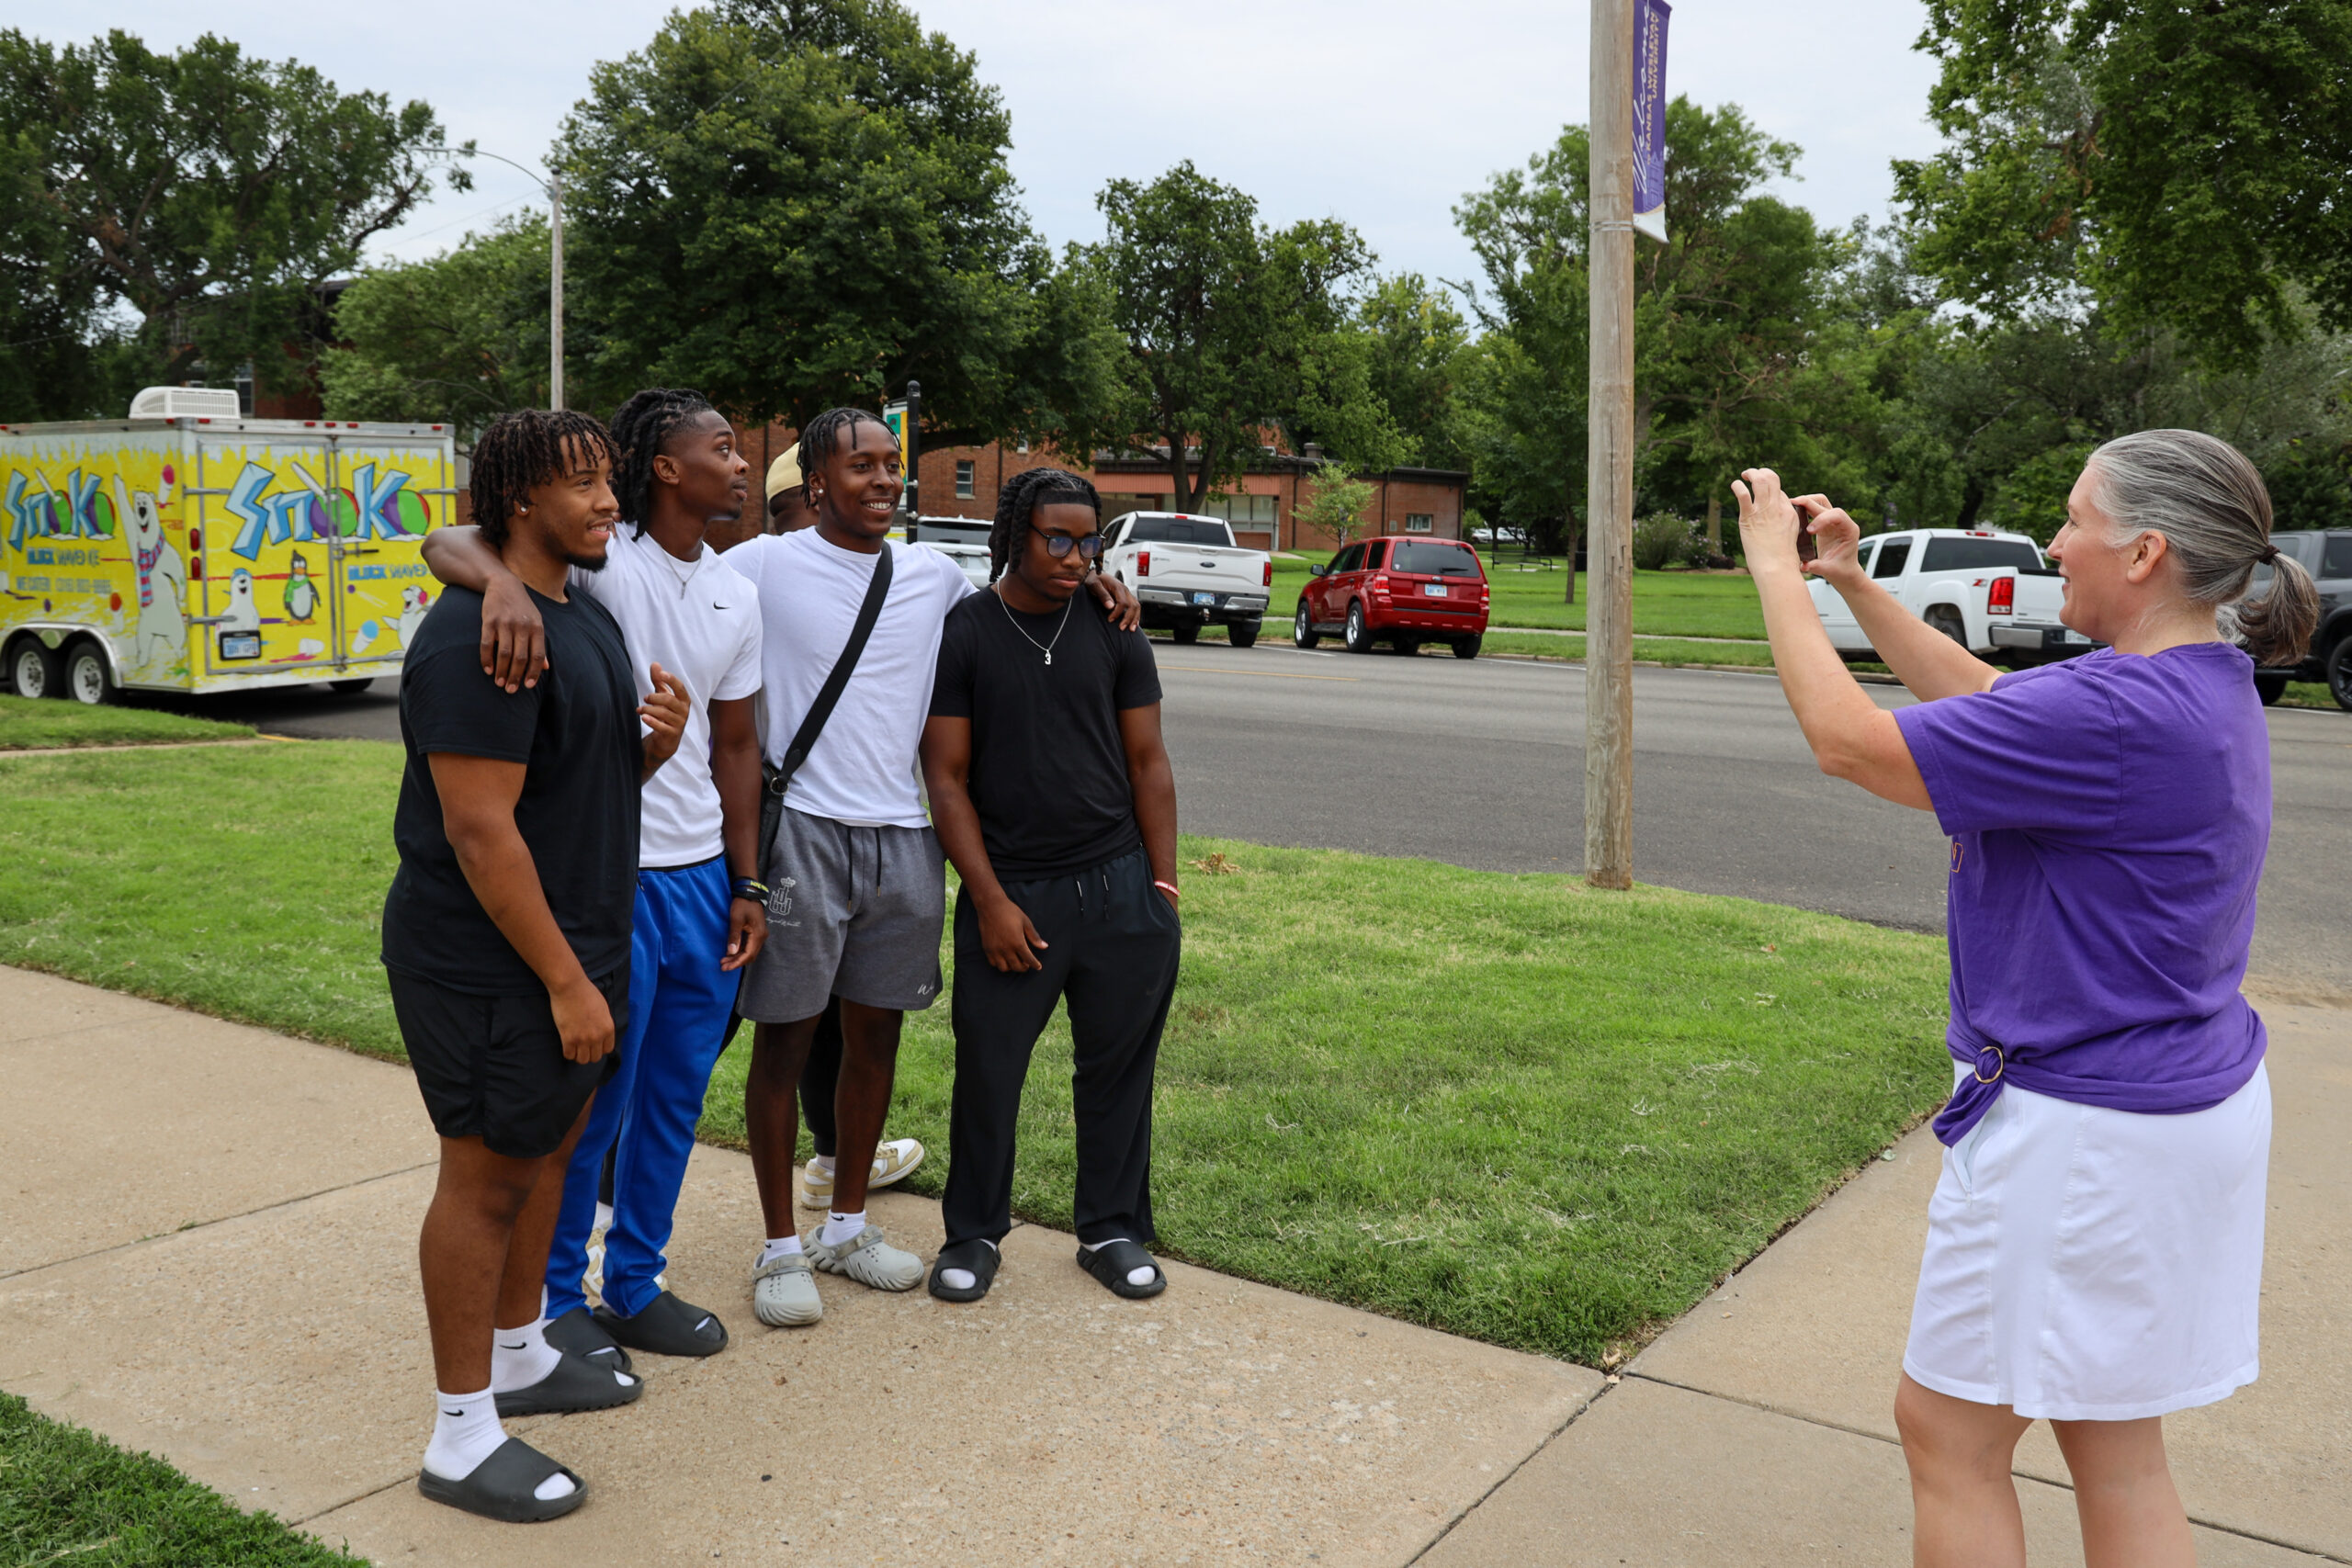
163,579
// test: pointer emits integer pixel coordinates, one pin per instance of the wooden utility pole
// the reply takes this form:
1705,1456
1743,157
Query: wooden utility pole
1609,461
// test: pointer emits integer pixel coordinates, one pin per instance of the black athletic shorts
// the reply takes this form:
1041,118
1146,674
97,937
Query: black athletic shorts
493,1068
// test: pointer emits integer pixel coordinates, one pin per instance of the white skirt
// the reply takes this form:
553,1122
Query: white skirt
2092,1265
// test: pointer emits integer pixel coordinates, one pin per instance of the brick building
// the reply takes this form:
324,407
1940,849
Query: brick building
963,481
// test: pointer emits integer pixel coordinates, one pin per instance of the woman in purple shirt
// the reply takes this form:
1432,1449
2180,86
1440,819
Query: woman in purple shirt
2094,1253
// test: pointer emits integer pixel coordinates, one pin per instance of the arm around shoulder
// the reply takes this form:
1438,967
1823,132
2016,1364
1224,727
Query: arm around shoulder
514,637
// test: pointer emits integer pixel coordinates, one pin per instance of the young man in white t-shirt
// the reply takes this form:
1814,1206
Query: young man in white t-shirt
858,886
700,907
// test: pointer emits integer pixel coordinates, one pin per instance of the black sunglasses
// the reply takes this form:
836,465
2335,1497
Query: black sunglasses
1058,545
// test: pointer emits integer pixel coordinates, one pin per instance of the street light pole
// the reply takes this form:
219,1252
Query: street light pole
1608,460
553,185
555,291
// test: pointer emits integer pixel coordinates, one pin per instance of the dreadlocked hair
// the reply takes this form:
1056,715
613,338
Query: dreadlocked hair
525,449
640,429
1018,502
825,434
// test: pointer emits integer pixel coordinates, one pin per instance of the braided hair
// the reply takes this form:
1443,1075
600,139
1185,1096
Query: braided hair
825,434
640,429
524,450
1018,502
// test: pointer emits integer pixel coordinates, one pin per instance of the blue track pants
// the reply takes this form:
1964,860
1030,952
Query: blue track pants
679,1000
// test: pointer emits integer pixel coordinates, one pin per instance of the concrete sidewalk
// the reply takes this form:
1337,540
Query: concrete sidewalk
208,1251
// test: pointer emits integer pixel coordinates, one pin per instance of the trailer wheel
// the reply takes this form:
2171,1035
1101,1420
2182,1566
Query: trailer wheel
89,679
32,669
351,686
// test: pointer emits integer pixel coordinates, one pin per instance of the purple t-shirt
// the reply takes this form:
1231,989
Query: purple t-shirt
2109,815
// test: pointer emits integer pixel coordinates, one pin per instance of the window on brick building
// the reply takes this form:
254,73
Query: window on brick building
1420,523
967,478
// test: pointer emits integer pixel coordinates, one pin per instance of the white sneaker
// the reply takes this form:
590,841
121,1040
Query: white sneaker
894,1160
783,1294
867,1258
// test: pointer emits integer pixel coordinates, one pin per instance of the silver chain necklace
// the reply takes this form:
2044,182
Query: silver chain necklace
1044,647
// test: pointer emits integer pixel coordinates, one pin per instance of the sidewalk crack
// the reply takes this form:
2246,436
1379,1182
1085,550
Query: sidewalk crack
219,1220
1503,1480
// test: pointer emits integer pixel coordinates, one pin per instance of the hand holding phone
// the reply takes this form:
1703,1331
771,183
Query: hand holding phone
1806,549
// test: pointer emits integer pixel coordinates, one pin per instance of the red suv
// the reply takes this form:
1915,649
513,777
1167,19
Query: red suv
1402,591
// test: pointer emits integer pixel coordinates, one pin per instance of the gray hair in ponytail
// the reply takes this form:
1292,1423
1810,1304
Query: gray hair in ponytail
2208,501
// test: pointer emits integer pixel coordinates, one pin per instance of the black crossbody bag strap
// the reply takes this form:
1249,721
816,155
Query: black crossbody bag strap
804,740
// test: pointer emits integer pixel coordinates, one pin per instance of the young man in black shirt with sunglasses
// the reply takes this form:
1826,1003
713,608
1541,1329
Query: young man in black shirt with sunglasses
1051,792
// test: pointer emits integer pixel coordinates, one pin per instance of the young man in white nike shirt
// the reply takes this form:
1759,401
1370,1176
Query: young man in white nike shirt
857,884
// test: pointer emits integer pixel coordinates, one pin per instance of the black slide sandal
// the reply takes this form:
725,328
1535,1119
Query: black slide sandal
501,1486
575,1385
667,1326
976,1258
583,1336
1110,1262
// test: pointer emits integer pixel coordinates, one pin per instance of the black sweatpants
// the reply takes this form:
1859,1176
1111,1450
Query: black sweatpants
1113,942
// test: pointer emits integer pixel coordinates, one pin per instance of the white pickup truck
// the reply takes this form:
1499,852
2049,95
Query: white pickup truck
1188,573
1990,593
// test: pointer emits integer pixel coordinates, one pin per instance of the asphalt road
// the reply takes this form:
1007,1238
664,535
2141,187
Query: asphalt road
1481,763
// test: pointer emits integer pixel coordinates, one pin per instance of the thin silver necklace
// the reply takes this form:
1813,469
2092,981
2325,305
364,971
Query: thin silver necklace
1044,647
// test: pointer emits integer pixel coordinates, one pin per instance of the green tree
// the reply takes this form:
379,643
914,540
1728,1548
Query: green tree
207,193
798,203
1335,505
460,338
1418,345
2184,163
1232,329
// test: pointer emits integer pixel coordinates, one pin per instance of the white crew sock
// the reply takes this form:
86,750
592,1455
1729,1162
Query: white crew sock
521,1357
841,1228
777,1247
1135,1276
962,1279
465,1432
821,1162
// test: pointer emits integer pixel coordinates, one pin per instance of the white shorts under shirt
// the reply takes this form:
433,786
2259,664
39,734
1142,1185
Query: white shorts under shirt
700,623
863,768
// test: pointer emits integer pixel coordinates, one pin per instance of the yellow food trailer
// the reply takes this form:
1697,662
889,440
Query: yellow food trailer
187,549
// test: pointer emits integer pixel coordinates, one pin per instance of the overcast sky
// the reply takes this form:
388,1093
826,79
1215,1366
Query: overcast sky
1379,112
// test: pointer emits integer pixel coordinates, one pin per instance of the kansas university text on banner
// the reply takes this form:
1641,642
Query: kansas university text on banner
1649,116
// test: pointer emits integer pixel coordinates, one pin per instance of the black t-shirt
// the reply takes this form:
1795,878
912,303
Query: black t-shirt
576,733
1049,773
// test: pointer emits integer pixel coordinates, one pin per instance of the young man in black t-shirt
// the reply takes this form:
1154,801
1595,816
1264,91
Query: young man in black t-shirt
1051,790
506,937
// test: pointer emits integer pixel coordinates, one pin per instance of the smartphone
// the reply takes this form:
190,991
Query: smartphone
1806,549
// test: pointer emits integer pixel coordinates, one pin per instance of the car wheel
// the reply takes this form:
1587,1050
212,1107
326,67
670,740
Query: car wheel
1302,630
88,680
1358,636
351,687
2270,687
2339,673
1408,646
1186,632
32,669
1242,634
1945,619
1467,647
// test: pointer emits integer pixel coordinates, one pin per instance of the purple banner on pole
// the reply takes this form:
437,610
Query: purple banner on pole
1649,116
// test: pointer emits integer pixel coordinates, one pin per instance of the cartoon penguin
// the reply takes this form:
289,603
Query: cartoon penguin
301,593
414,604
243,616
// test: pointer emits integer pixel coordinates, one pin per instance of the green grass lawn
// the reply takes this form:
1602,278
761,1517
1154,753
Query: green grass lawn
1506,1106
1665,604
70,1497
29,723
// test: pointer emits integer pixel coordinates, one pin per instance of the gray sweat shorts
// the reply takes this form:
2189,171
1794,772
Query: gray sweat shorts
853,912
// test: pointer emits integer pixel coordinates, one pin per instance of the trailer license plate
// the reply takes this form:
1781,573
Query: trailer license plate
1434,590
1204,598
239,645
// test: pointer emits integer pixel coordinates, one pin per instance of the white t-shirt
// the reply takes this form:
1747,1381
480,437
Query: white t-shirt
700,623
862,769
